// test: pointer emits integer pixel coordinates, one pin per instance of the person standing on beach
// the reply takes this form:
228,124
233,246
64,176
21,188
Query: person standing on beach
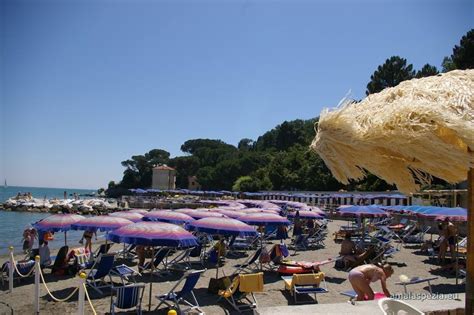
88,237
65,195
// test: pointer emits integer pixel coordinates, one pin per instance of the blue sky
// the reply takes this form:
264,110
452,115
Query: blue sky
87,84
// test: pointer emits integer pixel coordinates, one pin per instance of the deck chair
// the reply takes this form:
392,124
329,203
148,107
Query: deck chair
128,252
299,243
242,288
182,261
309,283
125,273
418,237
101,269
102,249
24,267
175,298
127,297
159,259
393,307
251,264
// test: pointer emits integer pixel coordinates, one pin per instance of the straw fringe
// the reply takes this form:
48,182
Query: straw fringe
422,126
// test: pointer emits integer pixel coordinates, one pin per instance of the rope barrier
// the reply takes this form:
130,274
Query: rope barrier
52,296
17,271
89,299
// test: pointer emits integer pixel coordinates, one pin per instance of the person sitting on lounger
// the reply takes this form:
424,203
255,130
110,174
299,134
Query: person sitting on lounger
361,277
348,250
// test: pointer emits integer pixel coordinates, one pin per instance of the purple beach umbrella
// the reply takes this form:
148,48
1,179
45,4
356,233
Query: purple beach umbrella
168,216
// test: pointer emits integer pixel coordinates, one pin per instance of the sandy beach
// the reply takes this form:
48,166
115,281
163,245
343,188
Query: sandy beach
407,262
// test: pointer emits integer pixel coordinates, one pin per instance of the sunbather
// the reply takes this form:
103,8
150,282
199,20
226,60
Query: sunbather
361,277
348,250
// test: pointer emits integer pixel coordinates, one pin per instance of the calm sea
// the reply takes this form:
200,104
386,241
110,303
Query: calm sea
12,224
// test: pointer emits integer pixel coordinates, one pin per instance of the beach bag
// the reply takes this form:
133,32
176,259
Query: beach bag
218,284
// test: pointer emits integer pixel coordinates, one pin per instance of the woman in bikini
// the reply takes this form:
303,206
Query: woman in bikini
361,277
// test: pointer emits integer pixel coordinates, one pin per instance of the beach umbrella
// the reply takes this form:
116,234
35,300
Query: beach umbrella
58,223
168,216
441,213
103,223
304,214
140,211
187,211
229,213
404,134
132,216
362,212
153,234
205,214
263,219
222,226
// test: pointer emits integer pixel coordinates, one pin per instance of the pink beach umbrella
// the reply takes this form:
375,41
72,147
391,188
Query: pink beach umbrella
58,223
206,214
141,211
101,223
132,216
168,216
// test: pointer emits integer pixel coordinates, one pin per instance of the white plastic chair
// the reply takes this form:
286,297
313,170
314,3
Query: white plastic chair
396,307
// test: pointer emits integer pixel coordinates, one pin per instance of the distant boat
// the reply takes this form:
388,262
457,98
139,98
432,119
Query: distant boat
5,185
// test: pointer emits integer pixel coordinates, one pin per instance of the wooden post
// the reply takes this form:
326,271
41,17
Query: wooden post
81,297
10,270
37,284
470,242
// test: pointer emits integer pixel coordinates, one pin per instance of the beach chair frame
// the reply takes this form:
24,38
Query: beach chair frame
99,271
121,302
23,266
234,297
174,298
310,287
251,264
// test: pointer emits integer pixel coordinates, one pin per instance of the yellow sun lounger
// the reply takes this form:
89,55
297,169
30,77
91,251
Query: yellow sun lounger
309,283
242,288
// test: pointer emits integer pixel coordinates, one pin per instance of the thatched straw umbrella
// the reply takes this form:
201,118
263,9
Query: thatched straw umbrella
405,134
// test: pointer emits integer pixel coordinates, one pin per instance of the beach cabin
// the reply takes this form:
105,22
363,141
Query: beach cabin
164,177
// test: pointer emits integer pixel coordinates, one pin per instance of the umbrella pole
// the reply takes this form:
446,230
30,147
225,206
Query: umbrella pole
65,238
470,241
151,275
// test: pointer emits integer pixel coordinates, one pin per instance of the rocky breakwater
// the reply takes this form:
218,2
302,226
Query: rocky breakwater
83,206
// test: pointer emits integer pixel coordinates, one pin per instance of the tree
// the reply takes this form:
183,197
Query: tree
185,166
463,55
390,74
245,144
448,64
139,169
427,71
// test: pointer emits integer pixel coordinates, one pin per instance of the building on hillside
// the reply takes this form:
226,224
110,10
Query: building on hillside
164,177
193,184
